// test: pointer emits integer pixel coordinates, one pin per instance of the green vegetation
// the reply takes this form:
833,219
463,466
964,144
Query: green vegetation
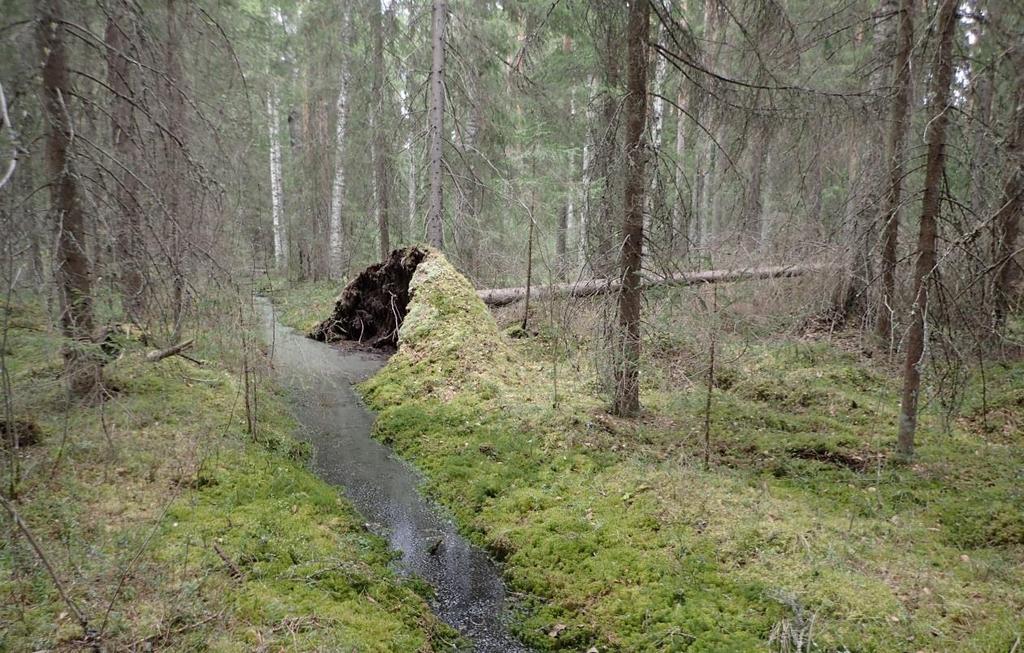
155,485
803,527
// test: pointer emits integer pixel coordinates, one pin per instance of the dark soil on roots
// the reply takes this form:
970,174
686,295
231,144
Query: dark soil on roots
371,308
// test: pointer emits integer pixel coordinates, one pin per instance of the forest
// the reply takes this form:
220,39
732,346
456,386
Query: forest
522,325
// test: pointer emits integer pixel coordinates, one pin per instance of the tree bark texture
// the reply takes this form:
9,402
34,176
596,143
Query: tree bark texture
895,145
74,280
380,141
125,139
435,216
943,75
276,185
1007,220
627,386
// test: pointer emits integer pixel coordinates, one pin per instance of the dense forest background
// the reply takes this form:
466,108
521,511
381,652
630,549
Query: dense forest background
299,138
160,159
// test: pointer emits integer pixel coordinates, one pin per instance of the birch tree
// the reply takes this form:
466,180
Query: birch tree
276,184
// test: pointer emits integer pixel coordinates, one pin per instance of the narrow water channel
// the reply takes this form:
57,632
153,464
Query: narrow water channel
470,595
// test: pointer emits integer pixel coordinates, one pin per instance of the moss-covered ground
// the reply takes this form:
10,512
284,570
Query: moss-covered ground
175,529
804,533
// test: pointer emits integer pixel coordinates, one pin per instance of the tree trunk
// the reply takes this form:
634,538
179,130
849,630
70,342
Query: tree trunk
466,229
1007,220
335,228
943,75
74,281
562,241
603,229
174,172
753,207
435,229
276,187
586,180
594,287
379,145
900,108
681,210
627,386
707,149
655,197
125,141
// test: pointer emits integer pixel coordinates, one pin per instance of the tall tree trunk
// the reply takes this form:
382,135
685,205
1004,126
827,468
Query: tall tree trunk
981,115
465,231
408,106
586,180
707,149
562,242
74,280
627,386
1007,219
435,228
379,144
753,207
335,228
943,76
276,185
655,198
603,227
681,208
898,122
125,139
175,173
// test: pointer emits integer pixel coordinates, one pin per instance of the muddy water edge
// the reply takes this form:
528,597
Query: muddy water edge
469,593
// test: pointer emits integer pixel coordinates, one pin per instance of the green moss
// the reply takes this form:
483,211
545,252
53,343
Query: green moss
159,478
611,530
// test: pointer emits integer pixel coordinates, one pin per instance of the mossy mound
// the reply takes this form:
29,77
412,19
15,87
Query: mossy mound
448,340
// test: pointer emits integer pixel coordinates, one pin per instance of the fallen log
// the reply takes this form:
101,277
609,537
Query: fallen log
160,354
591,287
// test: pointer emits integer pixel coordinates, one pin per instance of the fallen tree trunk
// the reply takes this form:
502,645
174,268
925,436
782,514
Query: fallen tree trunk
176,350
592,287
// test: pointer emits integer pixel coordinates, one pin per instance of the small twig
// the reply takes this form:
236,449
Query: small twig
23,527
232,567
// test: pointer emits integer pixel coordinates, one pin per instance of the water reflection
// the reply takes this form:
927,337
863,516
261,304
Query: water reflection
470,593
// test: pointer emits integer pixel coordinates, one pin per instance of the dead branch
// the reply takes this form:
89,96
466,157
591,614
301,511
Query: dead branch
160,354
23,527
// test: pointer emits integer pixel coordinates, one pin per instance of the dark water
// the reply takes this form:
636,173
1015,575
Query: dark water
470,595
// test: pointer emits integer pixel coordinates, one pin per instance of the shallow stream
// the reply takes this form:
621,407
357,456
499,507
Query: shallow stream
470,595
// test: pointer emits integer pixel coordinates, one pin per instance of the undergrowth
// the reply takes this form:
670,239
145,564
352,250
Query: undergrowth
803,534
175,529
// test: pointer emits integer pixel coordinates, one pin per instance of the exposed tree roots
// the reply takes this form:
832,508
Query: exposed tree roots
372,306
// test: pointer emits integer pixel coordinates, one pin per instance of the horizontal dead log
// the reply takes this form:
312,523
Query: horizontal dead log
160,354
592,287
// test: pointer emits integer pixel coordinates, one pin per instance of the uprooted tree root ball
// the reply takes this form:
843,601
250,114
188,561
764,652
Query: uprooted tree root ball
371,308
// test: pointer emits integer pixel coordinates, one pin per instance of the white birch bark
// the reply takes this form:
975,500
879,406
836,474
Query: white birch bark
680,227
584,226
276,187
570,204
657,121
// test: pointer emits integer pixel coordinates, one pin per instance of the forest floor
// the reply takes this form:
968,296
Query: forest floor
173,528
803,528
